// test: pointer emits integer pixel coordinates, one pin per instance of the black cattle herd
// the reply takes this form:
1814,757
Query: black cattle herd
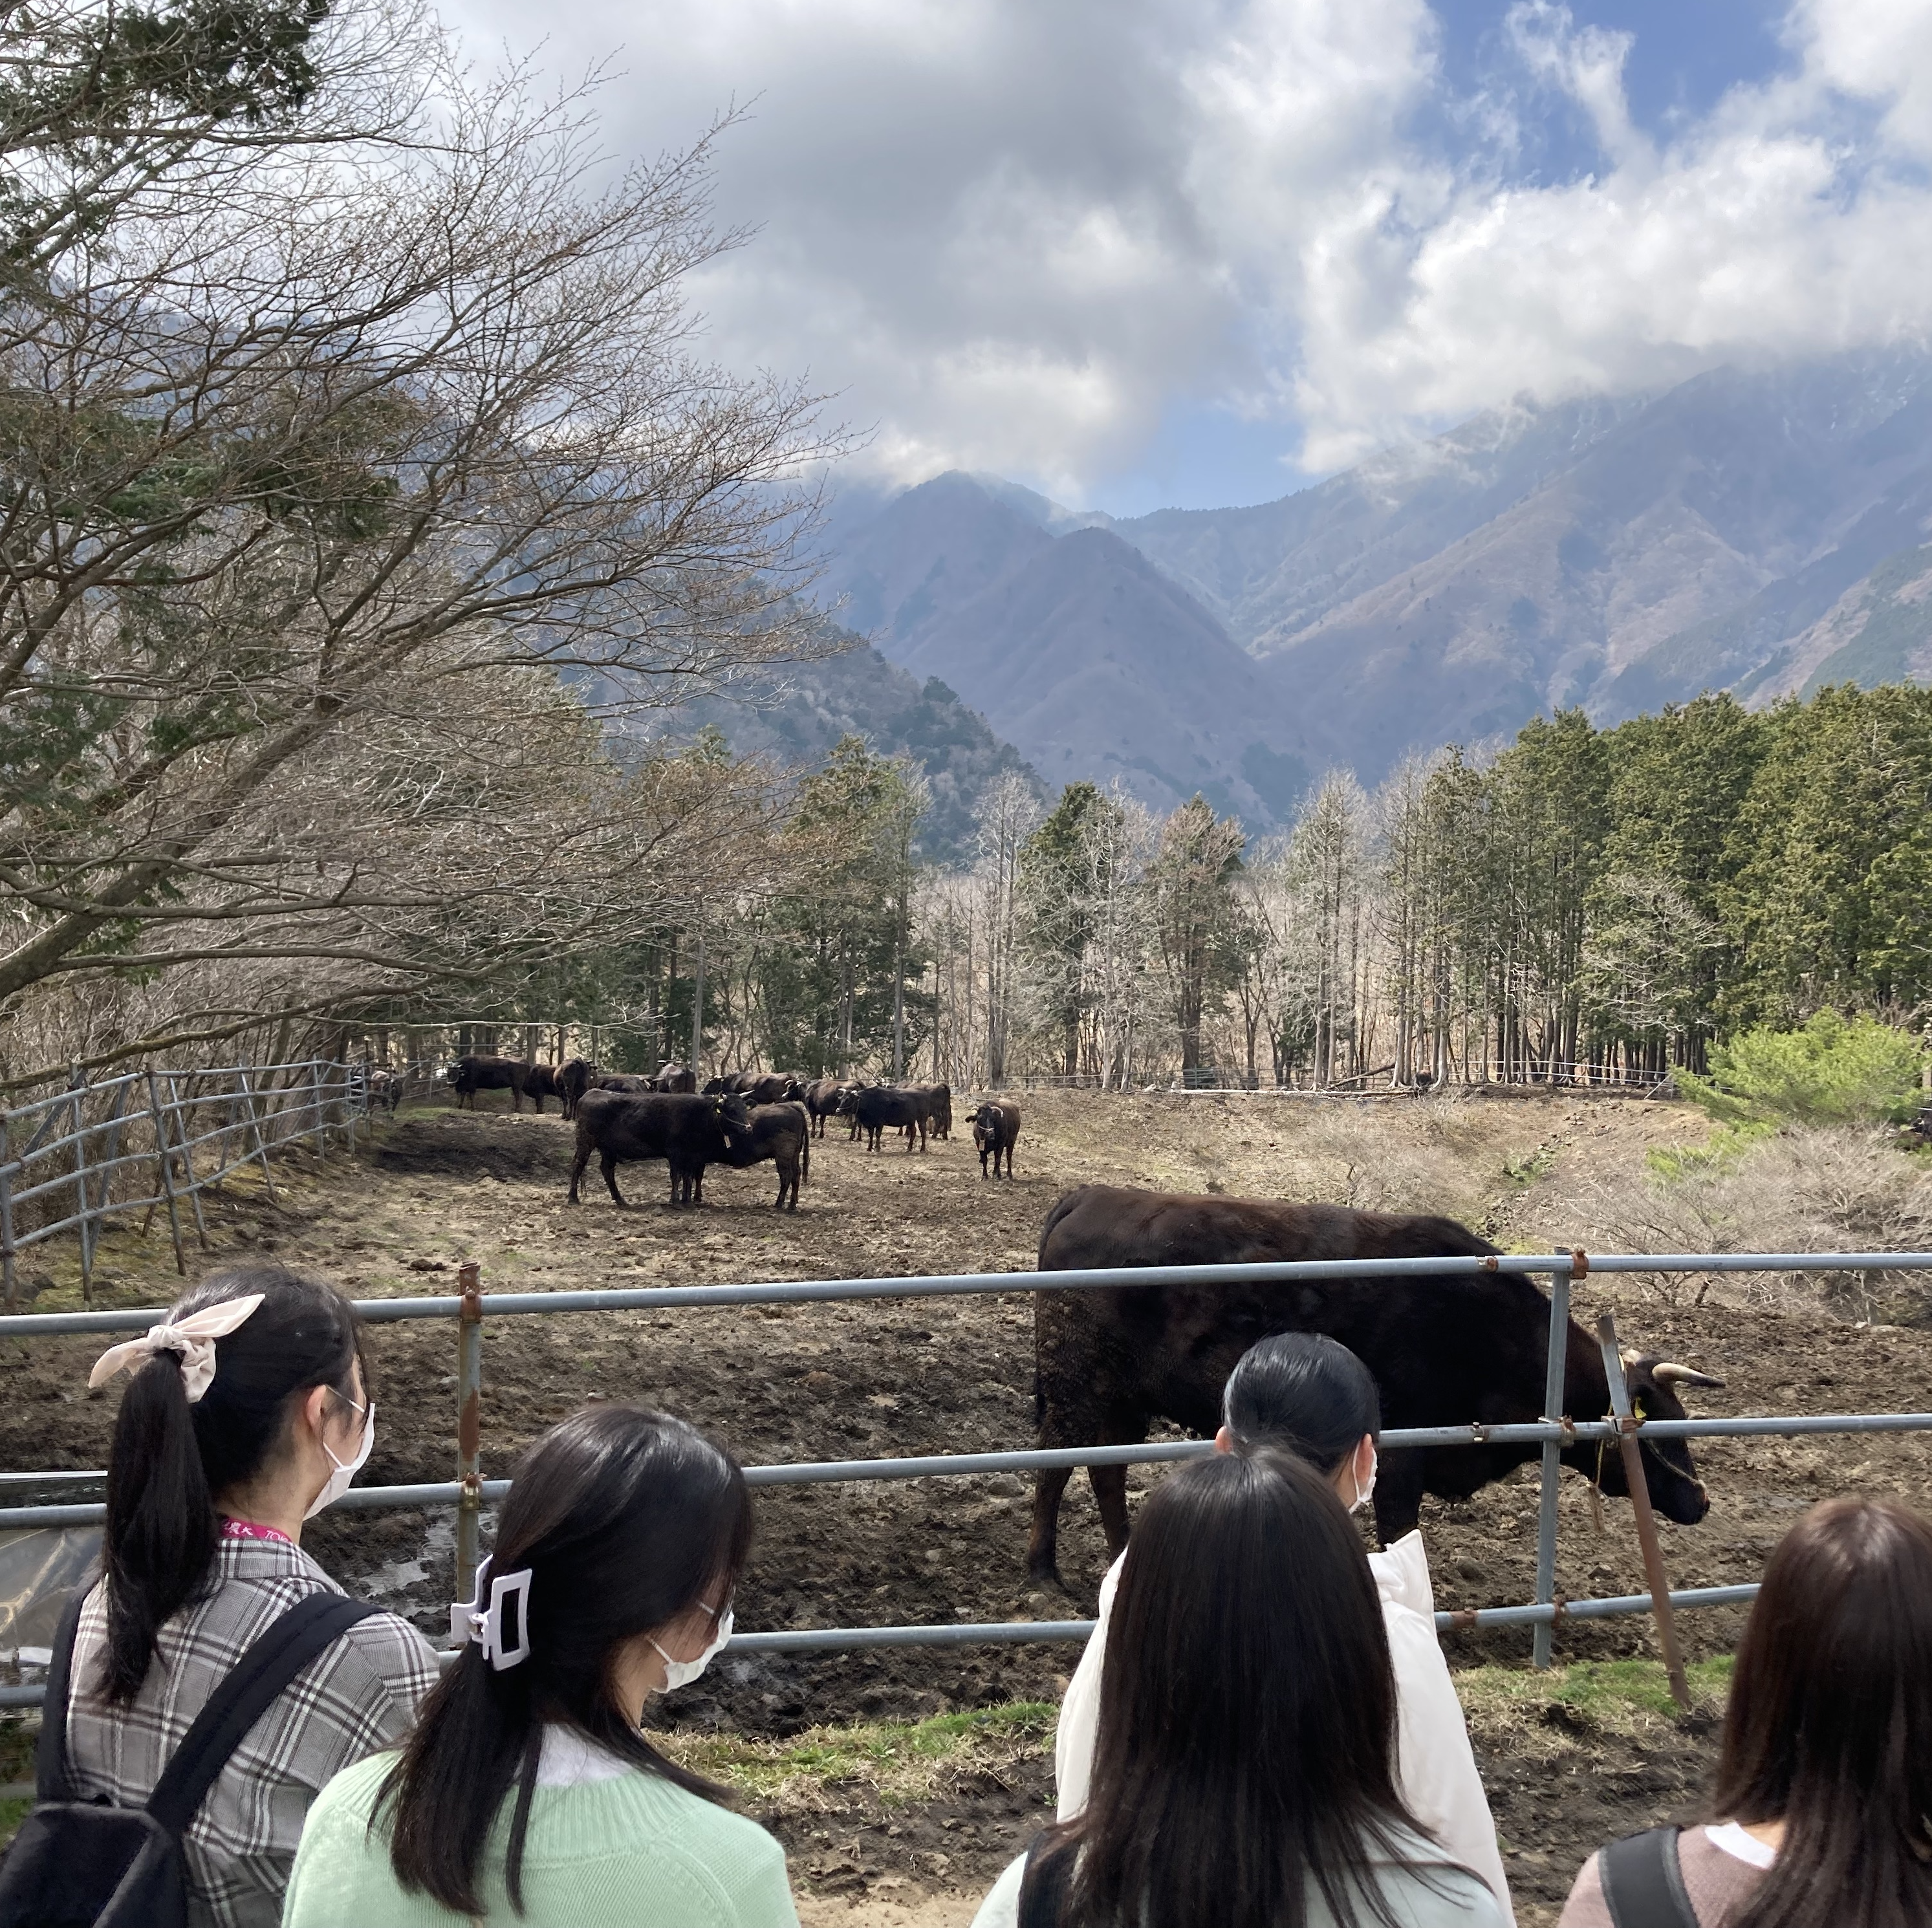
1442,1346
744,1118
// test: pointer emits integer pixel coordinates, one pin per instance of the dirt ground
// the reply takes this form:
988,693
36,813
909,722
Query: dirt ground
438,1186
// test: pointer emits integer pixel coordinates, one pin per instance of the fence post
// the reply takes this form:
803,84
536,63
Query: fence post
6,1213
1553,1379
321,1116
176,1112
255,1125
162,1162
469,1426
76,1084
1646,1520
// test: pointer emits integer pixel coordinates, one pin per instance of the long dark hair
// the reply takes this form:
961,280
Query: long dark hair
1247,1713
169,1461
625,1520
1829,1727
1305,1393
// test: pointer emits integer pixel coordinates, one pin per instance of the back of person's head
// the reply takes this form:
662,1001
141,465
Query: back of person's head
624,1521
1247,1710
1829,1728
1304,1393
171,1458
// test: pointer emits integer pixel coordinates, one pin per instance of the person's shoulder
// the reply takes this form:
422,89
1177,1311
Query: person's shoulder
1001,1907
391,1653
1425,1891
726,1855
351,1795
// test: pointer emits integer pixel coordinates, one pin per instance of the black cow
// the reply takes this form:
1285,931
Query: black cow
629,1082
1445,1350
822,1097
539,1083
877,1108
688,1131
675,1077
480,1072
996,1129
781,1133
574,1077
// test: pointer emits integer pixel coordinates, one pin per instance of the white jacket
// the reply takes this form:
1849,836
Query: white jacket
1435,1769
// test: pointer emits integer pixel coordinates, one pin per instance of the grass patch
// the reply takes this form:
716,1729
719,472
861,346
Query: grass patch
1625,1697
900,1760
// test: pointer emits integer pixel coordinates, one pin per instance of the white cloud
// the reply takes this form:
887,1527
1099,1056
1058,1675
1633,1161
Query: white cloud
1016,235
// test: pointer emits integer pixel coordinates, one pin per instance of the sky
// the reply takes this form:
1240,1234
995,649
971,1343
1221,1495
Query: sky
1139,254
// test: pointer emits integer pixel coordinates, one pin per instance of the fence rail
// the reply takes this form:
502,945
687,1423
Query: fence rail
471,1310
154,1140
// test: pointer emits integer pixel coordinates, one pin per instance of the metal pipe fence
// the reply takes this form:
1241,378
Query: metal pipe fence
471,1310
154,1140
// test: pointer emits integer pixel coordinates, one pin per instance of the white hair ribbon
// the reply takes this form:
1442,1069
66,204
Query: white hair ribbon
194,1338
472,1621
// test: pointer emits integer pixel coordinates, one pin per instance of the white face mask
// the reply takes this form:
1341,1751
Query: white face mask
682,1673
338,1481
1366,1492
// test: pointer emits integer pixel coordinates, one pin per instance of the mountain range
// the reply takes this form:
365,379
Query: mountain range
1760,530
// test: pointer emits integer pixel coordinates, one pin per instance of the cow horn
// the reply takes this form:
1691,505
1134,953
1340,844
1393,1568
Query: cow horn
1667,1372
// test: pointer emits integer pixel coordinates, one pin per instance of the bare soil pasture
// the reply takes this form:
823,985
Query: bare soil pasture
436,1187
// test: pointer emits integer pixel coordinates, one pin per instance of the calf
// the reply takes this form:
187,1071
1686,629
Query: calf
687,1131
385,1089
539,1083
574,1077
996,1129
479,1071
781,1133
884,1108
822,1099
1446,1348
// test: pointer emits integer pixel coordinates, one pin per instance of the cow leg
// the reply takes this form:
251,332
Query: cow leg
577,1165
1110,1495
1043,1545
610,1179
1398,1500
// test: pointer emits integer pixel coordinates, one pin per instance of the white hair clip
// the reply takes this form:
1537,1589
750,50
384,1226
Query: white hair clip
194,1338
472,1621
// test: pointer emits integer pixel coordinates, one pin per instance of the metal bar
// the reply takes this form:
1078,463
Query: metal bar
1553,1376
176,1113
108,1166
7,1272
469,1428
80,1175
1646,1520
255,1125
162,1160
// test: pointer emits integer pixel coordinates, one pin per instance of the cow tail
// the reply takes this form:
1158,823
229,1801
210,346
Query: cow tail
805,1165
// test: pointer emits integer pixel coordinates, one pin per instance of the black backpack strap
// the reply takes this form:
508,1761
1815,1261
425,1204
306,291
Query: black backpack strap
1042,1899
1643,1881
50,1775
273,1659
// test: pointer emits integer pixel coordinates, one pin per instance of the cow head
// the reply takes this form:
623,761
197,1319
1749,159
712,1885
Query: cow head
848,1100
1668,1474
733,1114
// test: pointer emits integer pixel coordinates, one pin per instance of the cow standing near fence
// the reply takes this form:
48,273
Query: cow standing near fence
1446,1349
479,1071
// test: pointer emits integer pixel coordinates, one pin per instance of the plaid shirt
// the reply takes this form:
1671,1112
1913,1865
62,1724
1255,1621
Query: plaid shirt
357,1696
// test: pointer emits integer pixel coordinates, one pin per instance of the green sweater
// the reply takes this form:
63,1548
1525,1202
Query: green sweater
631,1852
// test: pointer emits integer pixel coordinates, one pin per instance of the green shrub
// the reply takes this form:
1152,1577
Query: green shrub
1834,1071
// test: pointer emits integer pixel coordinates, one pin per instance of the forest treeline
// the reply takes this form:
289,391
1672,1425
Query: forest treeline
1586,903
364,507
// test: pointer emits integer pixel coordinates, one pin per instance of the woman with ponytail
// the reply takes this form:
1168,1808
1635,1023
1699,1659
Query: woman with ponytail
529,1792
248,1411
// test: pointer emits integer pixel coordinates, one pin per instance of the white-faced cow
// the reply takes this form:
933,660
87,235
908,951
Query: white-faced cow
1446,1349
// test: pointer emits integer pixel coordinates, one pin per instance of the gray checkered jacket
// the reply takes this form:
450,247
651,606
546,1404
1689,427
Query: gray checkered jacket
358,1695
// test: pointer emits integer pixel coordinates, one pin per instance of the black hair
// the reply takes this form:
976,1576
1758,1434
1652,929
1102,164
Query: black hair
625,1520
170,1461
1829,1727
1247,1713
1305,1393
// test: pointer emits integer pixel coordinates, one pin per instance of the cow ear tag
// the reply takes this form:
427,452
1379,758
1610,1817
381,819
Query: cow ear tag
1637,1407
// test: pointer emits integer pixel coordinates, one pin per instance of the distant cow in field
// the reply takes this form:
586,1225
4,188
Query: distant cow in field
480,1072
879,1108
539,1083
941,1114
627,1081
1446,1348
386,1090
822,1097
675,1077
781,1133
996,1129
686,1130
574,1077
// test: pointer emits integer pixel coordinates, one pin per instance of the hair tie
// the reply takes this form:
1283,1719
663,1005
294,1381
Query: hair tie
194,1338
472,1621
